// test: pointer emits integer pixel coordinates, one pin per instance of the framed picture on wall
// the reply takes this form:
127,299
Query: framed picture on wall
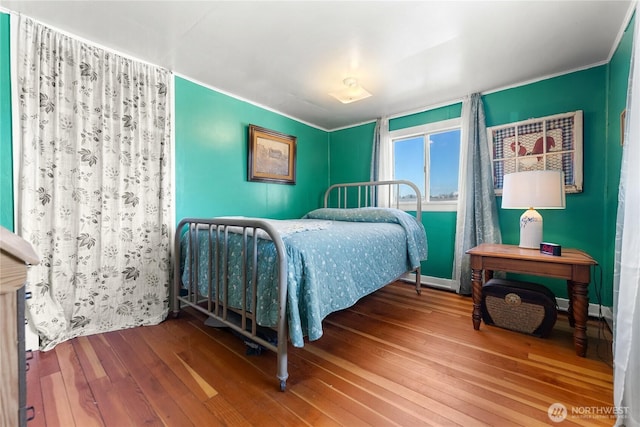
271,156
546,143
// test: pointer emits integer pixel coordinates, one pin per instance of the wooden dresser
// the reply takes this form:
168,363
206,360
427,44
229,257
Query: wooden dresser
15,255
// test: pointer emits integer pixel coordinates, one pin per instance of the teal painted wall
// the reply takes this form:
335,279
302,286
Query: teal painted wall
619,67
440,226
350,154
350,161
6,168
580,225
587,221
211,147
211,158
211,154
435,115
350,148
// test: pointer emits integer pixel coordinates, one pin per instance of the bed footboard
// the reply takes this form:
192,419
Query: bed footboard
213,235
377,193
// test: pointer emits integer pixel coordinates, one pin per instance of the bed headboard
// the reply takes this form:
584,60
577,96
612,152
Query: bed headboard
363,194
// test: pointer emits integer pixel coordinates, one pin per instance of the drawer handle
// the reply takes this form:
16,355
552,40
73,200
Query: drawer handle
28,295
30,413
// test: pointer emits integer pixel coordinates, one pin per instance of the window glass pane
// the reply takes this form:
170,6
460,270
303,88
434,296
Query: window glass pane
444,158
408,156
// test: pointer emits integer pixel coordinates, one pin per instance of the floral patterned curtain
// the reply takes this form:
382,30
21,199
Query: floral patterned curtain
94,185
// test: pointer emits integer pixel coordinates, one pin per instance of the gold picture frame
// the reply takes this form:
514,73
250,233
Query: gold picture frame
271,156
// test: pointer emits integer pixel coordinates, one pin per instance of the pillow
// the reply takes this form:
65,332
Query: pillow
370,214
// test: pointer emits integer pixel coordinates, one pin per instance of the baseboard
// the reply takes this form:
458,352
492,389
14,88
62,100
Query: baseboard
439,283
434,282
595,310
608,316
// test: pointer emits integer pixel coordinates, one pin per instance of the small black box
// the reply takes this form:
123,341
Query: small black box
519,306
550,249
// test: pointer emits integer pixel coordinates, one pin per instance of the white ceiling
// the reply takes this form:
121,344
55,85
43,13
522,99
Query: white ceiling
287,56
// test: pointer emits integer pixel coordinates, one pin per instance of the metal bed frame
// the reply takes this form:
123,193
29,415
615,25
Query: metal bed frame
242,320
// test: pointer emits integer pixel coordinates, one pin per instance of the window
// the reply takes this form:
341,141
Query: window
429,155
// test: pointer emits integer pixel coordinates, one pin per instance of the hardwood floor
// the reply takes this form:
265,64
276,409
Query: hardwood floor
394,359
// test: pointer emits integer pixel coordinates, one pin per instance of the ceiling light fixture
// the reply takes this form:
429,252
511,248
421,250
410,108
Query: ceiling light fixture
353,91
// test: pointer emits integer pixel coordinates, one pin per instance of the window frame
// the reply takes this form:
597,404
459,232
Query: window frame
570,146
424,130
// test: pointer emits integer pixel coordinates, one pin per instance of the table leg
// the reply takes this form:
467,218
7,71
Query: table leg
579,302
476,291
572,321
488,275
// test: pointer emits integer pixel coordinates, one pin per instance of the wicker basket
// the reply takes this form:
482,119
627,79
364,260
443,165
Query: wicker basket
519,306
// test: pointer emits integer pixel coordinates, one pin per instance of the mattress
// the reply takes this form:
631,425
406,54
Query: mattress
334,258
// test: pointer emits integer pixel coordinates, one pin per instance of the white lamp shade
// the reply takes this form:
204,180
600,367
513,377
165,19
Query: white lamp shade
533,189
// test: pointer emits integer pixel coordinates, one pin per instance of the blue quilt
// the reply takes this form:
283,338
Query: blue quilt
334,258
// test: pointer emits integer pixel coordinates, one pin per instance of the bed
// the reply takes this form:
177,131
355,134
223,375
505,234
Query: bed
274,281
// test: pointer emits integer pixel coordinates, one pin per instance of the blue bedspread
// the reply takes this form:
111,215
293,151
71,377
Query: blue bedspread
334,258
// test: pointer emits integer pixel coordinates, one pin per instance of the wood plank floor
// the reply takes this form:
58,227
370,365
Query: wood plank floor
394,359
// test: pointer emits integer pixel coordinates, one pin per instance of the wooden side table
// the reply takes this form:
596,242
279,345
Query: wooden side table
574,266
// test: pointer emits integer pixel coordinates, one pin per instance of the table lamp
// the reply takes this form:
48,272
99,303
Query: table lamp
533,190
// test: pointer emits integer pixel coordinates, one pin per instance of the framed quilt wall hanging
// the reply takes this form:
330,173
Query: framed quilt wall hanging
546,143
